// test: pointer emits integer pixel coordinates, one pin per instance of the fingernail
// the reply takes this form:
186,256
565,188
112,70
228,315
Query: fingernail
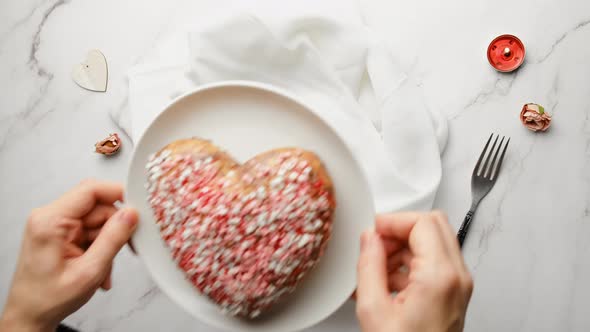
129,217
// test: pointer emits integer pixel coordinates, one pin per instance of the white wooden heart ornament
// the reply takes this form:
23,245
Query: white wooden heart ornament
92,74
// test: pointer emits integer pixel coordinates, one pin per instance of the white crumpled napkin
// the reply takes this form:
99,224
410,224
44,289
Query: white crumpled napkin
339,67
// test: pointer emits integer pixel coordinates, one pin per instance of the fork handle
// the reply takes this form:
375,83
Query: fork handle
465,227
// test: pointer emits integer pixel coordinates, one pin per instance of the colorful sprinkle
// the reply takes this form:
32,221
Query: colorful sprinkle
245,237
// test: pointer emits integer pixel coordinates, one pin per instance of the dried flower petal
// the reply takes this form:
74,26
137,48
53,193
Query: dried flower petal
534,117
109,145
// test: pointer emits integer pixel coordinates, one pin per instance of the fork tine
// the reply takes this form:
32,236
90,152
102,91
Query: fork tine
486,164
476,169
492,165
497,169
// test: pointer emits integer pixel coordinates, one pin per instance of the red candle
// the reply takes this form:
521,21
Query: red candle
506,53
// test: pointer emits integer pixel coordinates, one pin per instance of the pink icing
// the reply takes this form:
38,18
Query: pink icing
244,249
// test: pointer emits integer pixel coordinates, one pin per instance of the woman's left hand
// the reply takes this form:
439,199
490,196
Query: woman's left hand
66,255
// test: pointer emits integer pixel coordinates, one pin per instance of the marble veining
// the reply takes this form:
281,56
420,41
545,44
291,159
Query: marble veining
34,64
558,41
500,87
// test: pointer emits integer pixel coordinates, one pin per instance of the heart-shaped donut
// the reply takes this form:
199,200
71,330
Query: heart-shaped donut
245,235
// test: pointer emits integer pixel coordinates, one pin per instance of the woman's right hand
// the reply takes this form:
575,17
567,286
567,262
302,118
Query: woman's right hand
416,255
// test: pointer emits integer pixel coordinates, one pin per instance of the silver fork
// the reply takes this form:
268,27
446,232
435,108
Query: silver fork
482,180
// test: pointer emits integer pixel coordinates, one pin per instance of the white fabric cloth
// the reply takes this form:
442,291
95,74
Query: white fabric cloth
337,65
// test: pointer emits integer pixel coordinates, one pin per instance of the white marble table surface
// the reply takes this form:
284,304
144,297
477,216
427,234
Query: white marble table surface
529,248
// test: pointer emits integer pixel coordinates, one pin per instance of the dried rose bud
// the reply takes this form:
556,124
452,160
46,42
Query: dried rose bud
534,117
109,145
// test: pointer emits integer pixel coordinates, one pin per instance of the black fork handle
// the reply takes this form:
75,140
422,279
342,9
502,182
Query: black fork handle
465,227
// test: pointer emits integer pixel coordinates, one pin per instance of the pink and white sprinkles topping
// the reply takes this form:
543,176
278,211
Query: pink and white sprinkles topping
245,238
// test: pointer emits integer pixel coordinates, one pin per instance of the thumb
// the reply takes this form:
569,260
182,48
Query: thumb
112,237
372,290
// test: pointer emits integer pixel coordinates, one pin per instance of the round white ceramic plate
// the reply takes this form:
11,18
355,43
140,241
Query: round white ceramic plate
247,118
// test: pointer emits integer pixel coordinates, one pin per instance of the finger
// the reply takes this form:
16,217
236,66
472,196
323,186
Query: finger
394,262
392,245
454,252
44,227
107,284
397,225
398,281
92,234
450,240
72,251
130,244
79,201
112,237
98,216
372,290
426,240
407,259
75,232
399,259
